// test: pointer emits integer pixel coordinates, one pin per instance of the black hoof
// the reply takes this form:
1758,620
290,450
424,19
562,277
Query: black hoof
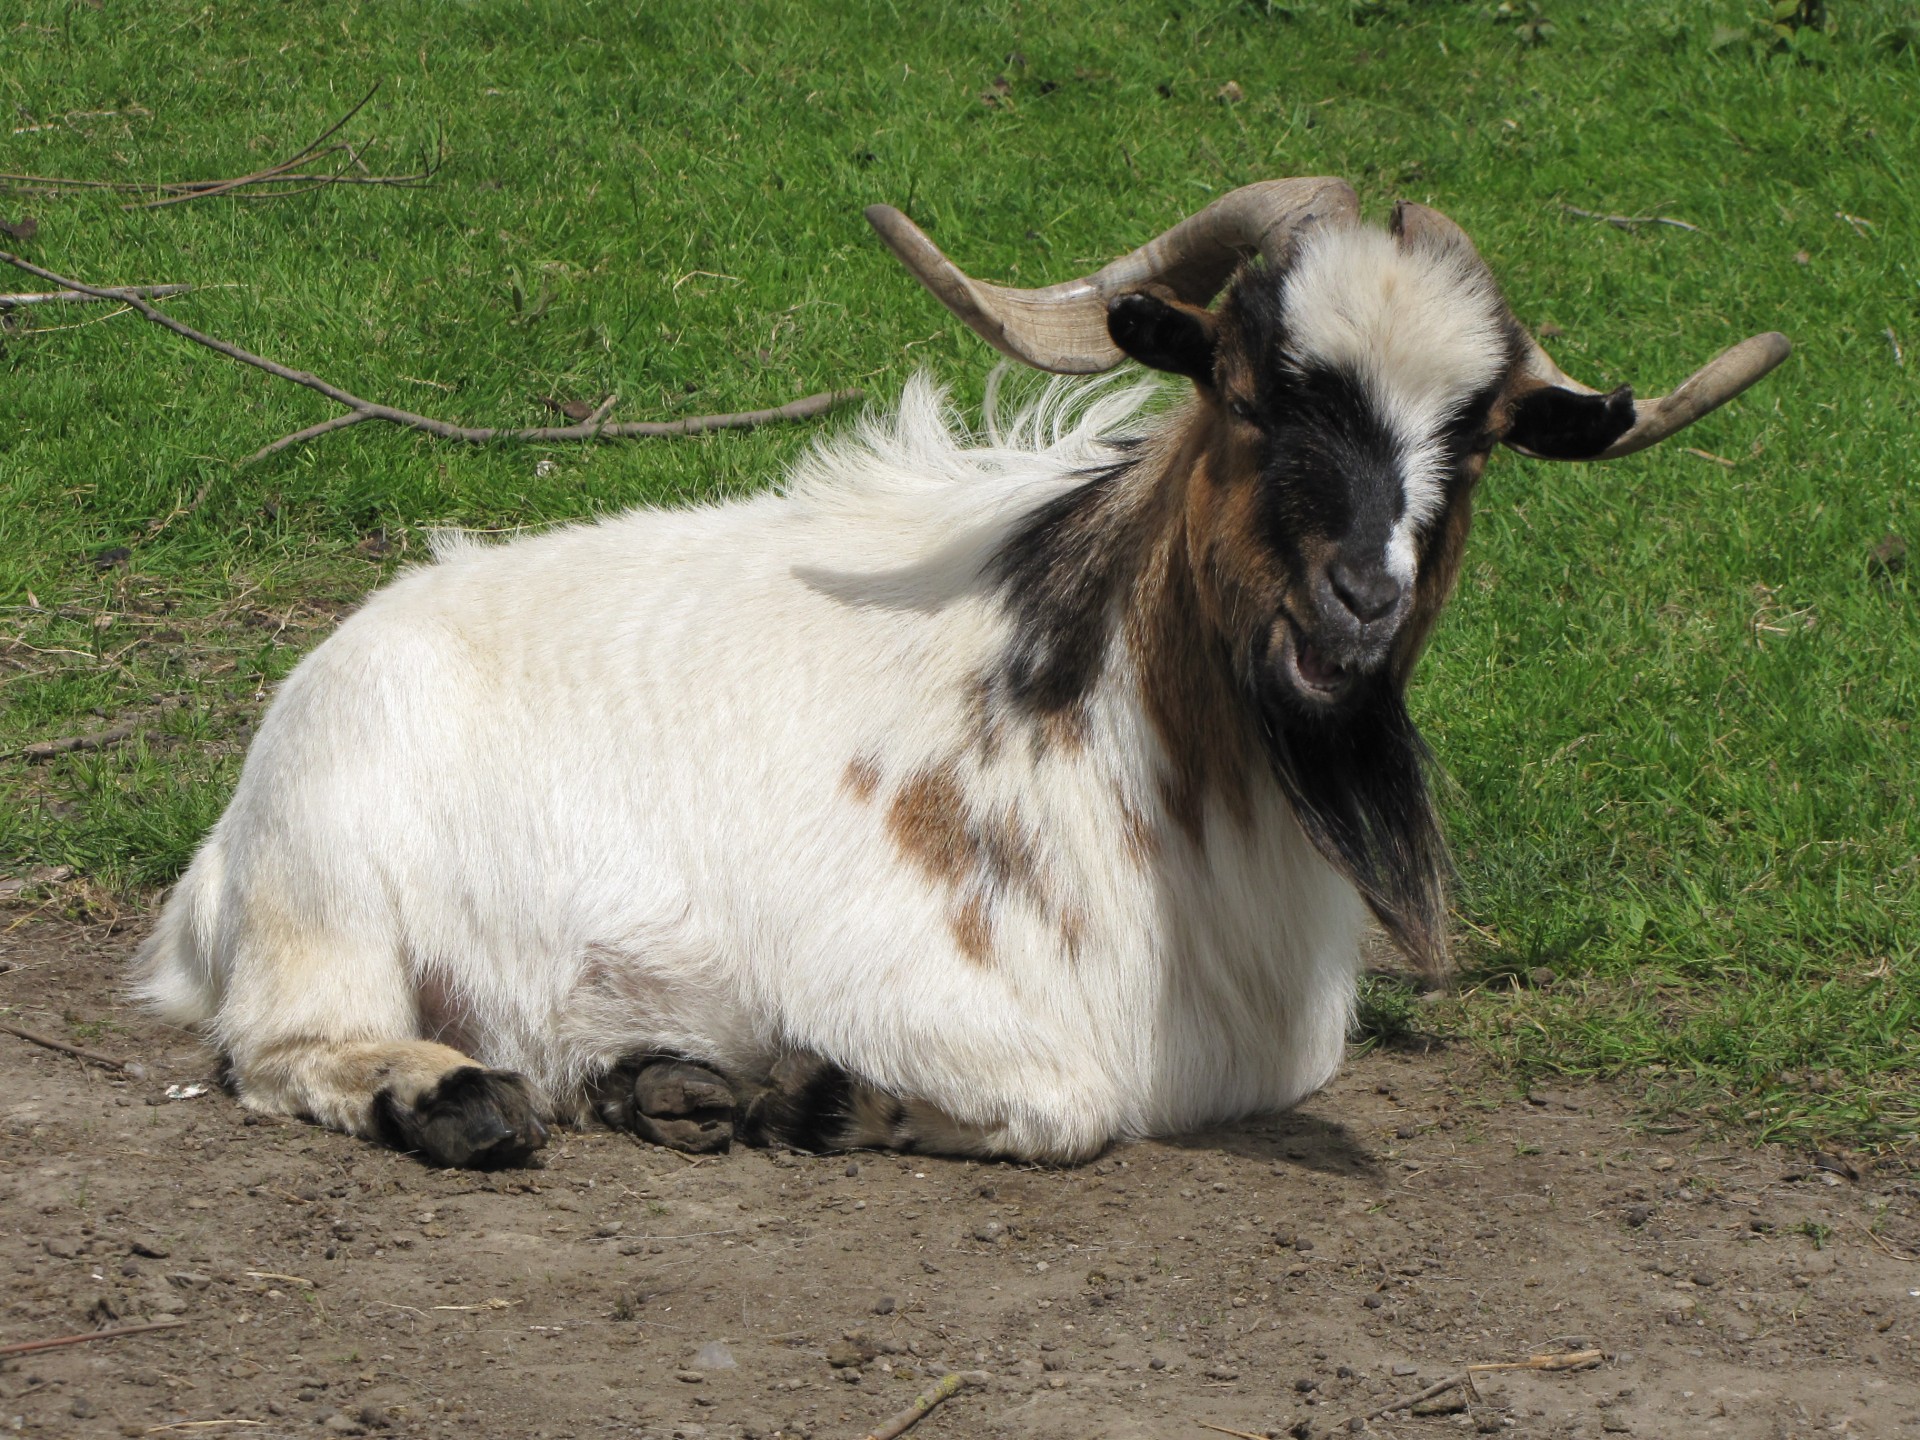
473,1119
673,1103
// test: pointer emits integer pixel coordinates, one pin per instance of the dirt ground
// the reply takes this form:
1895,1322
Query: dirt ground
1275,1279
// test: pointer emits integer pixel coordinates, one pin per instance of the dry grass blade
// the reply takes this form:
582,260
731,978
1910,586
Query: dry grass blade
359,410
1627,222
177,192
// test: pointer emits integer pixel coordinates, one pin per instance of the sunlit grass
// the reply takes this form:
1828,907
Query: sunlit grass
1674,693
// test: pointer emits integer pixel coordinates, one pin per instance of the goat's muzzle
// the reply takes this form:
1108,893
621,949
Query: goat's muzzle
1322,652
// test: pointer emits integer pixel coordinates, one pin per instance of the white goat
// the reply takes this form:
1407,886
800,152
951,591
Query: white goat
997,798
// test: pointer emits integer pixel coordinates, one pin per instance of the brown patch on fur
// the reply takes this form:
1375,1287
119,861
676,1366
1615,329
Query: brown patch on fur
928,822
861,778
1073,929
1138,835
981,858
972,927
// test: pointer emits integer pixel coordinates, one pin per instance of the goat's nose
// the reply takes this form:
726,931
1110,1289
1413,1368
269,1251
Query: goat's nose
1369,592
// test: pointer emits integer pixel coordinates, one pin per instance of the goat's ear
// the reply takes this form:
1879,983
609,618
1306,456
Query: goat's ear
1164,334
1559,424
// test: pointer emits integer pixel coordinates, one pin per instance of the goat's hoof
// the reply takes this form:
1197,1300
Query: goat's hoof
682,1106
472,1119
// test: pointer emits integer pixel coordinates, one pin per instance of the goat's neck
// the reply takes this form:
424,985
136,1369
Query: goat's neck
1179,614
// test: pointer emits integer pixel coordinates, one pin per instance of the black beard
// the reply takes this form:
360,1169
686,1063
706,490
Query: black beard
1357,780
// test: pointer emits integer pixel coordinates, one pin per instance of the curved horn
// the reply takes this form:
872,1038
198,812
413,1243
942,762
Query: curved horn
1708,388
1063,328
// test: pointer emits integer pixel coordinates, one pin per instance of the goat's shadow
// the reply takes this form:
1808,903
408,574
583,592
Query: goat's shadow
1288,1140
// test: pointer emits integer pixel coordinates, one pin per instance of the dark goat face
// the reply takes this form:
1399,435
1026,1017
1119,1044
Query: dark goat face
1356,387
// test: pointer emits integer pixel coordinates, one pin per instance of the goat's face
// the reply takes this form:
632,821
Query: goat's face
1350,395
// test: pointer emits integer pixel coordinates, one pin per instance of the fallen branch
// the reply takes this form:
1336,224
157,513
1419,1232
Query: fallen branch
69,744
1221,1429
950,1385
99,739
78,297
1627,222
1464,1378
24,1347
133,1069
359,410
1563,1360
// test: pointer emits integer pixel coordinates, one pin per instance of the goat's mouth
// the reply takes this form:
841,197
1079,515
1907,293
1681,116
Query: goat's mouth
1310,672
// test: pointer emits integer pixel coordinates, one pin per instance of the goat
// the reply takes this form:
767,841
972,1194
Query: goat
999,798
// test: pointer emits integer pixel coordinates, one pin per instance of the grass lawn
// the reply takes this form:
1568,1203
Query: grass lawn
1675,692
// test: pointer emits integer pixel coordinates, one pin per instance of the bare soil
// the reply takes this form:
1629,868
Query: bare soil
1274,1279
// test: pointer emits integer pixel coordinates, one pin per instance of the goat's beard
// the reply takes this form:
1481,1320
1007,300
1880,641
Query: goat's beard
1357,780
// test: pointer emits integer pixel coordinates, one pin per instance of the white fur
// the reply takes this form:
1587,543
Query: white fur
1421,329
587,789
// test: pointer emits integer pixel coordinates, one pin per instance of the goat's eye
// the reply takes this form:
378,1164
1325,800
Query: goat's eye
1241,410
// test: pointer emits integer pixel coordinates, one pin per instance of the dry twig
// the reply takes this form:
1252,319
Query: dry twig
24,1347
949,1386
130,1068
80,297
594,427
287,172
113,734
1868,1232
1627,222
1562,1360
1240,1434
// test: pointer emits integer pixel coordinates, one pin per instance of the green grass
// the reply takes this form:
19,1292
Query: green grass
1674,696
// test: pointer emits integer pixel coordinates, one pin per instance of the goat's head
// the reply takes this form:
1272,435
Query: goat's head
1350,386
1356,378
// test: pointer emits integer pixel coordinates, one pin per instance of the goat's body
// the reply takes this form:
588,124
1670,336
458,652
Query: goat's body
717,783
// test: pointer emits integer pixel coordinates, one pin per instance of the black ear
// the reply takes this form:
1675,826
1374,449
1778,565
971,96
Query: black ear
1163,335
1558,424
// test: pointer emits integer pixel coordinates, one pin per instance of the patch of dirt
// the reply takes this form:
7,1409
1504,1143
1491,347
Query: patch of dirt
1273,1279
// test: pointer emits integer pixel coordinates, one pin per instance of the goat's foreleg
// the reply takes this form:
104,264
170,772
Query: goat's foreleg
327,1026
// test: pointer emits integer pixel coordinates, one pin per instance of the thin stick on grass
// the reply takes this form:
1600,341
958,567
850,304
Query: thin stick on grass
100,739
1627,222
176,192
949,1386
80,1052
82,297
25,1347
360,411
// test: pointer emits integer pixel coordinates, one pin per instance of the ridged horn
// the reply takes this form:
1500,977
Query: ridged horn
1063,328
1708,388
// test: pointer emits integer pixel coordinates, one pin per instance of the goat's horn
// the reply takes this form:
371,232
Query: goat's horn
1708,388
1063,328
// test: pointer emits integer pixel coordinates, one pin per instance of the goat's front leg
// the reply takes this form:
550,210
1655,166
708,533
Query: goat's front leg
413,1094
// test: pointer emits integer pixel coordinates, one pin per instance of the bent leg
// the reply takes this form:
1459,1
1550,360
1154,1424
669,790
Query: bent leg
412,1094
812,1104
324,1024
